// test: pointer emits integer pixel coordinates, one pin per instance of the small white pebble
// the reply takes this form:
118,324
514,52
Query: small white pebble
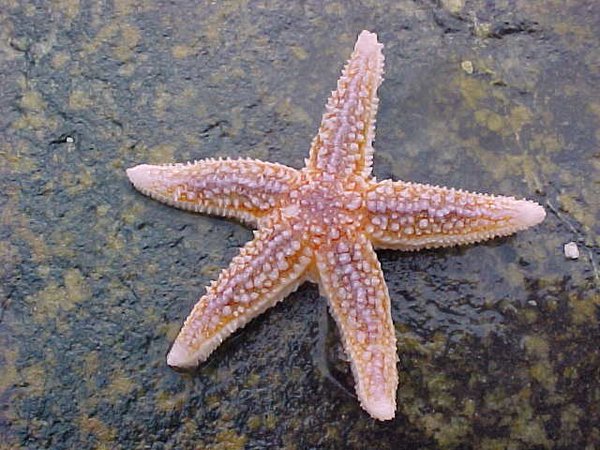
571,250
467,66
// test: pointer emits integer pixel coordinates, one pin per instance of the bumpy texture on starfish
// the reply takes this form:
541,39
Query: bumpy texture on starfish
321,224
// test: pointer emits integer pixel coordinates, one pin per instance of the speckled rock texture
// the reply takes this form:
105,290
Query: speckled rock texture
497,343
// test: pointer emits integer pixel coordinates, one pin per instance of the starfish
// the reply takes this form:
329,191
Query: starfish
322,224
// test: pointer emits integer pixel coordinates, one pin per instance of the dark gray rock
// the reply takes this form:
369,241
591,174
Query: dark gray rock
498,343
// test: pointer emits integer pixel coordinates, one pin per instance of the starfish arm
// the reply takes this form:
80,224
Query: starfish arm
267,269
244,189
350,277
411,216
343,143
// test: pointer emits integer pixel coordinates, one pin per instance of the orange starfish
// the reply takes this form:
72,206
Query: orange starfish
321,224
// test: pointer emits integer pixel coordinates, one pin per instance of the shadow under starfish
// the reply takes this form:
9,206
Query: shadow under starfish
321,224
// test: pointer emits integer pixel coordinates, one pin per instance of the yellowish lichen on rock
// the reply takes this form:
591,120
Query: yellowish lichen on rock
78,183
528,428
482,29
447,434
254,422
129,38
79,100
167,401
8,370
536,346
490,119
16,159
181,51
408,341
577,33
34,377
454,6
32,101
584,308
469,407
210,270
543,373
334,8
551,143
120,385
89,365
70,8
519,117
299,52
440,388
578,210
569,422
94,426
161,153
259,152
529,315
33,115
162,100
229,440
495,444
77,289
103,208
472,89
54,298
291,112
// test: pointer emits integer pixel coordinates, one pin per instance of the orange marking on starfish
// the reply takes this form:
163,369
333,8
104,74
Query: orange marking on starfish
320,224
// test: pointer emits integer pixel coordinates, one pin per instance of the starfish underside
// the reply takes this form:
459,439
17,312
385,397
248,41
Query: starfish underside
322,223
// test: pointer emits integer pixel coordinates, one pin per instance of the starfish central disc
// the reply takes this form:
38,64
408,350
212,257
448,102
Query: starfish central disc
325,210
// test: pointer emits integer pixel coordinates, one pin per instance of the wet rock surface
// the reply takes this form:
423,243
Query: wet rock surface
497,343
